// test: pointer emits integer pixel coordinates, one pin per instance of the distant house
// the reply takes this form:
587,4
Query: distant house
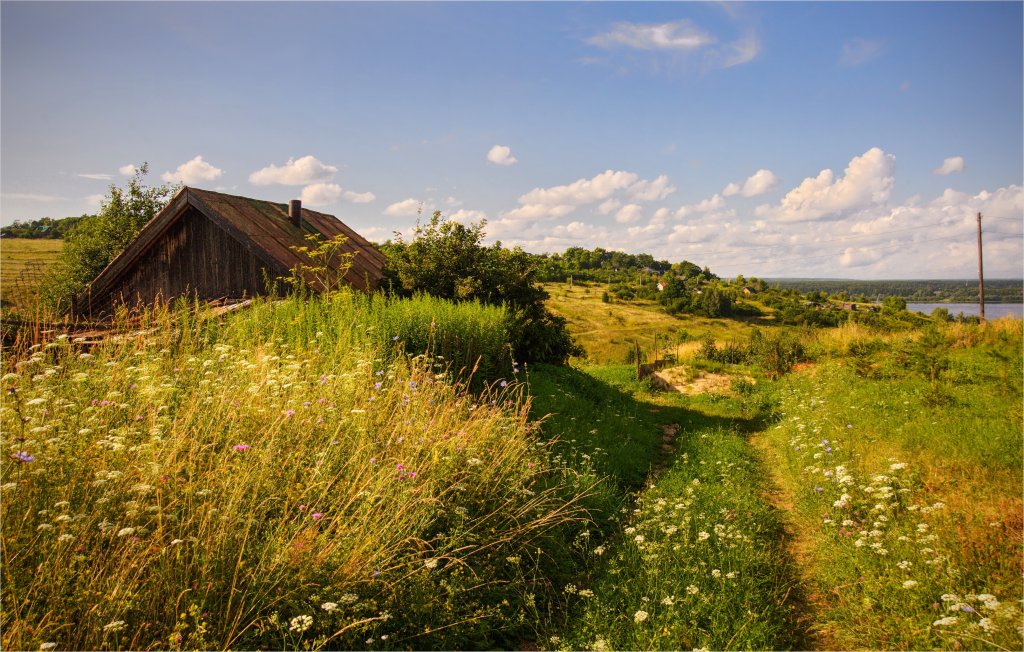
661,287
747,290
210,245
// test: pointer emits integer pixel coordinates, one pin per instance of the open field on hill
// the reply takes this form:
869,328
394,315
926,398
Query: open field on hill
22,264
358,472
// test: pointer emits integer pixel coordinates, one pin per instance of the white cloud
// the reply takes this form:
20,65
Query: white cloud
859,256
655,190
731,189
712,203
756,184
453,202
321,194
96,177
194,171
538,212
738,52
405,207
678,35
128,170
358,197
467,216
629,213
867,181
95,201
296,172
609,206
581,191
858,51
501,155
951,165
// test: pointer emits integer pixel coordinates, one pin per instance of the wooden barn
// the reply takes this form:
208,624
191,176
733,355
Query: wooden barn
215,246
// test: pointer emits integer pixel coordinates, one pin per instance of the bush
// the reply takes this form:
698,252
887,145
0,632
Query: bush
446,259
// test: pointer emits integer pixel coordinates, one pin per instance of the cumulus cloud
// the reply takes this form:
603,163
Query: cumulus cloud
629,213
296,172
609,206
358,197
655,190
501,155
867,181
951,165
538,212
194,171
678,35
712,203
128,170
321,194
858,51
467,216
581,191
405,207
756,184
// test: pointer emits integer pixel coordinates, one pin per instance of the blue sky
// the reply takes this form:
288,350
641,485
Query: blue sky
772,139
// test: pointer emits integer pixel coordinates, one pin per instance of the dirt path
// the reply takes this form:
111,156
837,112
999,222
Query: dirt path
678,379
806,601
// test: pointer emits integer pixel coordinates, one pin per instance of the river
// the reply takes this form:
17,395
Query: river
992,310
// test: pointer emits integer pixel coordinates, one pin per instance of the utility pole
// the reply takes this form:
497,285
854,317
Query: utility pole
981,275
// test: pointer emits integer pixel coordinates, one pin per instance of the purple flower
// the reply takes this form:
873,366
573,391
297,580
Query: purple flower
412,383
22,456
302,508
241,447
373,460
290,413
317,516
504,383
969,609
818,489
412,474
400,467
377,385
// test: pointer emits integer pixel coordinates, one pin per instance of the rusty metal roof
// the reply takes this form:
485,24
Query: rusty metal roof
263,228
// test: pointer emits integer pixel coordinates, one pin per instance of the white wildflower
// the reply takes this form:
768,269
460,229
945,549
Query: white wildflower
692,590
431,563
640,616
668,601
125,531
114,626
329,606
909,584
301,623
943,622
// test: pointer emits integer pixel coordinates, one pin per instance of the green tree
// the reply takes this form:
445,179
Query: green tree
96,240
446,259
894,304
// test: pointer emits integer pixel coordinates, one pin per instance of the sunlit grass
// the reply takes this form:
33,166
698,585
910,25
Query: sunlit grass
284,480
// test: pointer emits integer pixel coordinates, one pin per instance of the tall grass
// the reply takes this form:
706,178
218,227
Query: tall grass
287,479
902,457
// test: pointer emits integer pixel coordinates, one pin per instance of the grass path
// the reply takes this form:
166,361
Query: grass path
699,557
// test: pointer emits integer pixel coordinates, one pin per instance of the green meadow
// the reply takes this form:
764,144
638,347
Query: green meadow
353,472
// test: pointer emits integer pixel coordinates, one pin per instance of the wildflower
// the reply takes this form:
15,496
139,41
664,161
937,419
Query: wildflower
473,461
716,573
555,640
586,593
986,624
51,645
703,536
639,539
301,623
989,601
126,531
44,526
22,456
65,537
290,414
640,616
692,590
668,601
431,563
731,575
904,565
599,550
943,622
114,626
909,584
378,385
329,606
349,598
175,542
241,447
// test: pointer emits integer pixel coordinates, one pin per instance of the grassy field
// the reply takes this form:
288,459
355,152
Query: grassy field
609,331
332,474
22,264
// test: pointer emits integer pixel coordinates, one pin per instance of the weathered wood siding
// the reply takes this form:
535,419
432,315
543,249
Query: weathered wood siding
194,257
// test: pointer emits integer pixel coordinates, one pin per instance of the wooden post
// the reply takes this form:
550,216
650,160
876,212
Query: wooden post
981,275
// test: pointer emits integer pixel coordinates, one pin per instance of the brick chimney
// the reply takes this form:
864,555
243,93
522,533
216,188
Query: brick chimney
295,212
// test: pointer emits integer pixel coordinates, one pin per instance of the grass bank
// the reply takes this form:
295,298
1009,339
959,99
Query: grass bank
290,478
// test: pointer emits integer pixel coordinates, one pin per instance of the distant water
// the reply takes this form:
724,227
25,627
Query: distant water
992,310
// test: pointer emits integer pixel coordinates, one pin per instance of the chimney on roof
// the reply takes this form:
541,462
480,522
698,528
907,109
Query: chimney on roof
295,212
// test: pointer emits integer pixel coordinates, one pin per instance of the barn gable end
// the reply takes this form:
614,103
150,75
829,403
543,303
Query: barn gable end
210,245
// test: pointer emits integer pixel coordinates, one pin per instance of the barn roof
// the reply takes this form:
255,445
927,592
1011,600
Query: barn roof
262,227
